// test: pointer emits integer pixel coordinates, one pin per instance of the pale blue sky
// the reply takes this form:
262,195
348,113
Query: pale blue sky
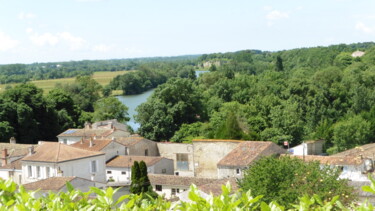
64,30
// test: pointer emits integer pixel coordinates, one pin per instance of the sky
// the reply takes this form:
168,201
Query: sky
67,30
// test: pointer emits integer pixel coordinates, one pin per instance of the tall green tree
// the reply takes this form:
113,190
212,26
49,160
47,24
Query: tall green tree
110,108
135,187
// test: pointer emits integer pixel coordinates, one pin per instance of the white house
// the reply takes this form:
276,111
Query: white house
313,147
233,164
119,169
110,147
12,171
51,159
170,186
72,136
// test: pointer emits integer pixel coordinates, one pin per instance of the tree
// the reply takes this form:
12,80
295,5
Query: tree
135,177
110,108
140,181
285,179
230,129
279,64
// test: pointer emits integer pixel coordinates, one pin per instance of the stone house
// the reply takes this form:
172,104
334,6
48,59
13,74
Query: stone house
182,156
110,147
139,146
245,153
51,159
118,170
170,186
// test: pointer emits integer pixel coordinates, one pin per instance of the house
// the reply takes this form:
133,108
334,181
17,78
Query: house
58,184
312,147
171,185
245,153
12,151
51,159
118,170
139,146
105,129
110,147
182,156
353,168
12,171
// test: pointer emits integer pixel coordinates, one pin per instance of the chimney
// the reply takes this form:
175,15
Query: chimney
12,140
91,142
31,150
87,125
4,156
82,140
111,125
113,138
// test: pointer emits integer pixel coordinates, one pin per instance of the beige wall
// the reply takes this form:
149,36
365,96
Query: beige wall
140,148
229,172
113,149
208,153
170,150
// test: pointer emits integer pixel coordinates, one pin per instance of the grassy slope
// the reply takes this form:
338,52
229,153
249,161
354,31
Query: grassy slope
103,78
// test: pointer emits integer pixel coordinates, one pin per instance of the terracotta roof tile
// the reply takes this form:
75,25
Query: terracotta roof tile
161,179
330,160
97,145
215,187
247,152
367,150
128,161
57,152
52,183
129,141
16,150
13,165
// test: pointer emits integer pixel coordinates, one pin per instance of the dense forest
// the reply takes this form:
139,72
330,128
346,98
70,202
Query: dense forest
292,95
18,73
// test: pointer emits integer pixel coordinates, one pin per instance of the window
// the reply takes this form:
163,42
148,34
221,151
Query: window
158,188
123,172
174,191
47,172
38,171
109,172
177,173
65,141
93,166
178,190
146,152
238,171
164,171
182,161
29,171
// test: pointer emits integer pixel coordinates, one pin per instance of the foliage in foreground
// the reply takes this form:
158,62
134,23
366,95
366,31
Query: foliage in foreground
13,198
285,179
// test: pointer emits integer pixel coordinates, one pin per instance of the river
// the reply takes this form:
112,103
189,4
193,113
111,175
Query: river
133,101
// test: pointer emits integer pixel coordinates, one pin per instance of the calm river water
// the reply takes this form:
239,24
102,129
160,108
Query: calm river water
133,101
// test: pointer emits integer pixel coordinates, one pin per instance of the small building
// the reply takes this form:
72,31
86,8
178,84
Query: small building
118,170
171,185
139,146
51,159
110,147
72,136
233,164
58,184
182,156
313,147
12,171
353,168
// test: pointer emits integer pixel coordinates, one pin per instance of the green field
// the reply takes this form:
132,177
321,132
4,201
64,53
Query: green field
103,78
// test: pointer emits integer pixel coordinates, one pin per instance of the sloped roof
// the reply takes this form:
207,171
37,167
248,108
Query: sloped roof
15,150
215,186
52,183
13,165
129,141
97,144
127,161
367,150
107,124
162,179
247,152
330,160
57,152
86,132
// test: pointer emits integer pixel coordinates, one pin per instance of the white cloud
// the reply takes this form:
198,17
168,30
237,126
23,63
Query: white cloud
74,43
6,42
44,39
101,48
276,15
23,16
363,28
